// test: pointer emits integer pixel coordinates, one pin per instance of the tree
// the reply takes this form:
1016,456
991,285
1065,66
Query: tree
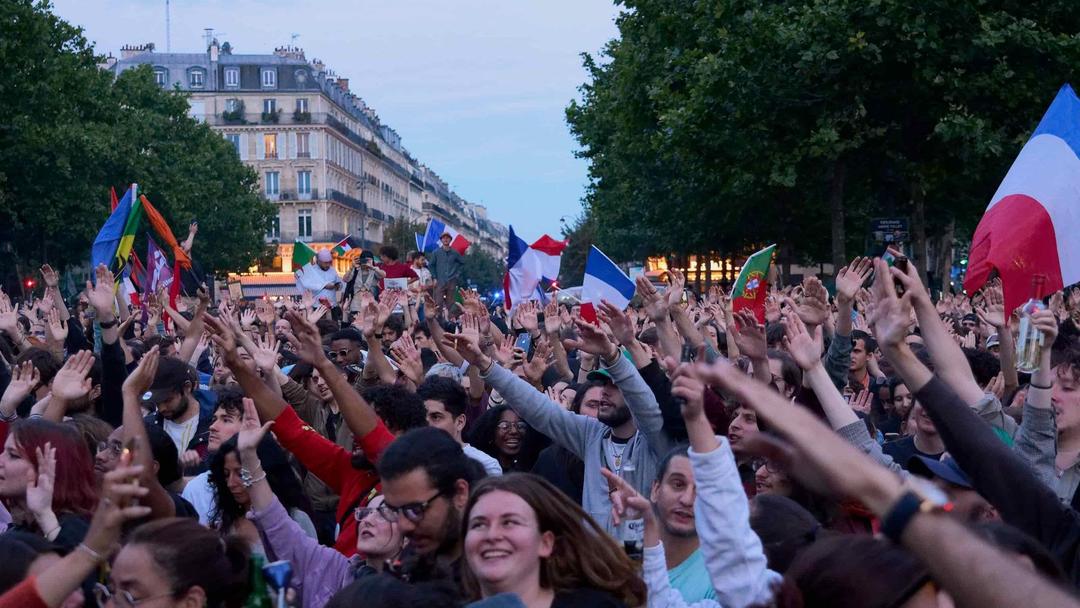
401,233
722,124
71,130
580,236
483,271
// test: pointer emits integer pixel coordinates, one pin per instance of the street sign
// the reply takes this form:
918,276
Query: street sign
889,229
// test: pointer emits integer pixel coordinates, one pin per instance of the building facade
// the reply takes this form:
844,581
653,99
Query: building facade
322,155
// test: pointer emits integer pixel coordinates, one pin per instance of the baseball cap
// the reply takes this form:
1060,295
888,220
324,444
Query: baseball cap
945,468
600,375
171,375
993,340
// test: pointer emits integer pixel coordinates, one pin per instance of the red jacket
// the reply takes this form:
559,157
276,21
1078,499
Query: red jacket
333,465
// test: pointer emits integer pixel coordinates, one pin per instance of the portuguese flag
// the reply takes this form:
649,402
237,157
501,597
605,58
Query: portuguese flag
301,255
752,286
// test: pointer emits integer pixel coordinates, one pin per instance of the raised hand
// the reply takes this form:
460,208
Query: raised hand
749,335
139,381
676,284
626,502
470,326
72,382
803,343
528,318
552,320
862,401
251,433
534,368
101,296
56,328
265,352
50,277
688,387
405,354
467,348
655,305
813,307
850,279
120,487
9,318
247,318
304,338
620,324
772,309
265,313
317,313
992,310
892,313
594,341
504,350
224,338
25,378
39,484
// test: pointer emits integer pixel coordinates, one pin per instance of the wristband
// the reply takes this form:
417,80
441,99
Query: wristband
900,515
94,554
1045,388
247,480
108,324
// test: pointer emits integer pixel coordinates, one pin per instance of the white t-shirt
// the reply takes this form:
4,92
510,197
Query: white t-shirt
491,466
201,496
182,433
425,276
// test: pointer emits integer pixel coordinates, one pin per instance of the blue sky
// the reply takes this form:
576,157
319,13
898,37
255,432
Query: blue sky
476,88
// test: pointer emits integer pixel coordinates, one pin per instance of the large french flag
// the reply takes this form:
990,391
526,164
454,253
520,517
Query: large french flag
434,232
528,266
603,281
1035,213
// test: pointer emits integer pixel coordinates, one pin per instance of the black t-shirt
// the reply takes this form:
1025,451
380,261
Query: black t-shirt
183,507
902,450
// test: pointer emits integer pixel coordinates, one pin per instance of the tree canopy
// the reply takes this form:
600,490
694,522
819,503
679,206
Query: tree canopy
717,125
71,130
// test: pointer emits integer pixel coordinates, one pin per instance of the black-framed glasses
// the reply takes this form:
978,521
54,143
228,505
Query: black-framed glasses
103,593
115,447
506,425
413,512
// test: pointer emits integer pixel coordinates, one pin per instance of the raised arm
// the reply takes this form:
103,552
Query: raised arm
657,309
1036,439
159,501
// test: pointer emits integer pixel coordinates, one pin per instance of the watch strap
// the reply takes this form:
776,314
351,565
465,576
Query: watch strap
900,515
108,324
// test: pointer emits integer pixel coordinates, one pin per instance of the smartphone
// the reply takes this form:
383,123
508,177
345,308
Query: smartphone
901,264
524,342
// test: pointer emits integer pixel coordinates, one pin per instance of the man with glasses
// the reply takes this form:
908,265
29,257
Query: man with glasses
345,348
425,481
166,462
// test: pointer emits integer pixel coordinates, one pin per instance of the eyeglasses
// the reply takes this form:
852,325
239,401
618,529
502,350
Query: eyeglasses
102,593
112,446
413,512
361,513
506,426
338,354
774,467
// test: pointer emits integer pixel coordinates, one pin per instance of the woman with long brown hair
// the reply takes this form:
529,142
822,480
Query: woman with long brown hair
524,536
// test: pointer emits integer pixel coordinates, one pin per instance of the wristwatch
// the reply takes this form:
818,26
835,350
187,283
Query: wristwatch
921,497
108,324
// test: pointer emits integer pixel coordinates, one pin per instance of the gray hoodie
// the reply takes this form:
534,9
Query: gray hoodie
588,438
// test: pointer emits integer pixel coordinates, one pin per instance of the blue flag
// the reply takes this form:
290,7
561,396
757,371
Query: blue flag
108,238
434,231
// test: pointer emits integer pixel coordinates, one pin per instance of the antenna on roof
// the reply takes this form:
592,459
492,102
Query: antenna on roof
209,35
168,29
292,38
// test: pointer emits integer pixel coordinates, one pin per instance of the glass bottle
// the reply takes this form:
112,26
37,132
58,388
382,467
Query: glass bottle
1029,342
260,595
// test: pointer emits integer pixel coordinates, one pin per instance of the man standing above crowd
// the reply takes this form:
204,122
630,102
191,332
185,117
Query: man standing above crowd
320,278
446,265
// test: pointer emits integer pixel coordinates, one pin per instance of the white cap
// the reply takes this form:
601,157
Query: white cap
324,255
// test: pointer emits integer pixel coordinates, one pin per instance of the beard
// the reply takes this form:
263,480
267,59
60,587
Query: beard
451,533
672,530
613,418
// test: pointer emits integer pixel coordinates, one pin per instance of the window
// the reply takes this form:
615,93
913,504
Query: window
234,139
232,77
303,145
269,106
301,104
270,145
196,78
272,183
269,78
232,104
303,223
303,182
161,77
274,231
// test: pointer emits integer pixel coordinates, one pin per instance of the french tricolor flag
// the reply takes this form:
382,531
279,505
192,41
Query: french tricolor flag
433,235
603,281
527,266
1035,213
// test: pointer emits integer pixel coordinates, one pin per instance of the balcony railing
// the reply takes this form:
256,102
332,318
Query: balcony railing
348,201
296,195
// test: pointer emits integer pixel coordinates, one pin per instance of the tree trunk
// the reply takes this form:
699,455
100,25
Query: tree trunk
943,268
918,220
836,208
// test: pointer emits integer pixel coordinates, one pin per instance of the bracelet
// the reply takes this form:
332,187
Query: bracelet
247,480
491,364
1045,388
49,535
108,324
900,515
94,554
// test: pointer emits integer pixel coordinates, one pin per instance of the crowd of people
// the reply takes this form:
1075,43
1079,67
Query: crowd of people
407,444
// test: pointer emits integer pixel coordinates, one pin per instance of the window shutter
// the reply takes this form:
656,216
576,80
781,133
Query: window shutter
260,149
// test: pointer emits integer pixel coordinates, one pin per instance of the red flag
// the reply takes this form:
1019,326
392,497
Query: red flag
113,201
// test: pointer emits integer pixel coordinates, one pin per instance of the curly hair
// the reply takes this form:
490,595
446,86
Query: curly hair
398,408
584,556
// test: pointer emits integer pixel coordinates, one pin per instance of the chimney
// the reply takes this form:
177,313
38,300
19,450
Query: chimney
130,50
215,50
318,65
344,84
